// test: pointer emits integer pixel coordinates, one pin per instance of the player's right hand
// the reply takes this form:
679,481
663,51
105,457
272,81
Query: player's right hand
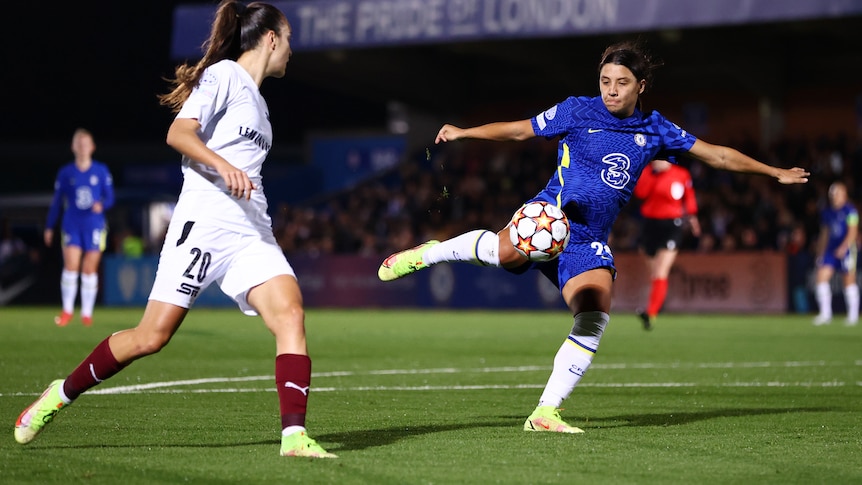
794,175
448,133
237,182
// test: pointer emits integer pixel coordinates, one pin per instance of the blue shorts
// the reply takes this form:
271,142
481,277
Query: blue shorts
583,253
844,265
89,236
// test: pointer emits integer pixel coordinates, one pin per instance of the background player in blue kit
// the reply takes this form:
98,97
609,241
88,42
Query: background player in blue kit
604,144
836,251
83,191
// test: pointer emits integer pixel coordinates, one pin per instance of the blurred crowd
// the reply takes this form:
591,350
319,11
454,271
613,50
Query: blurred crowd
444,191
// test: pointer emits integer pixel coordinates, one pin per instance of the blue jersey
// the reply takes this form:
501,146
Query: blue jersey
838,222
600,158
599,161
75,192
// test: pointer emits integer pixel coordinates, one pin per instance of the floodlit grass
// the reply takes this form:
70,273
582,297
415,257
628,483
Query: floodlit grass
435,397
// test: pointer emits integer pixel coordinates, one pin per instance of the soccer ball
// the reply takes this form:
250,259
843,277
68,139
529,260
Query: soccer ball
539,231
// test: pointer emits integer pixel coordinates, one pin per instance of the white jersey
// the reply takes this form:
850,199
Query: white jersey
214,237
235,124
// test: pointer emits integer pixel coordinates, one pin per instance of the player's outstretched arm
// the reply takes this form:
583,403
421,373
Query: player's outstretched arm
497,131
726,158
795,175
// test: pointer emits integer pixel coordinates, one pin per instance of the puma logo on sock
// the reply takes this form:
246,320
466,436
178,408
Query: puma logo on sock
291,385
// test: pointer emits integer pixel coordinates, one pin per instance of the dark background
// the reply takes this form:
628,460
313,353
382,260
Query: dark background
101,64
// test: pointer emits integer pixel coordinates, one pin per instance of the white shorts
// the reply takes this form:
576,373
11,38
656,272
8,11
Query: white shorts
194,255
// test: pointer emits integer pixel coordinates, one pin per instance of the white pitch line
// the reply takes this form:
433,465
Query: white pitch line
627,385
159,387
188,382
531,368
452,370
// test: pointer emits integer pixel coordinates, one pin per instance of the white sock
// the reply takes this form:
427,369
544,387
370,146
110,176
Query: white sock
479,247
851,300
89,290
63,396
574,357
824,299
68,290
292,429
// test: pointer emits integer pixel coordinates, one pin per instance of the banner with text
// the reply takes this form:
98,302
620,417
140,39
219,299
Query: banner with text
351,281
745,282
715,283
331,24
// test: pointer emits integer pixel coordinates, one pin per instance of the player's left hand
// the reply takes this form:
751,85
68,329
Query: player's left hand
794,175
98,207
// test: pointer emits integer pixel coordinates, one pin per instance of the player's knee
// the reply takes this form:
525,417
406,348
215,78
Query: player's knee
590,299
287,315
518,267
510,259
148,343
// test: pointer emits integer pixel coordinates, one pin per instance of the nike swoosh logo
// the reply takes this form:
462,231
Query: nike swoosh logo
591,130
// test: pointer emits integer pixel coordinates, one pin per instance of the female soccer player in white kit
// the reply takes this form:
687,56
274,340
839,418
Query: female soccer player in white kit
220,231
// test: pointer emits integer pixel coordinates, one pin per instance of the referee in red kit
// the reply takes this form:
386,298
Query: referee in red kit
667,201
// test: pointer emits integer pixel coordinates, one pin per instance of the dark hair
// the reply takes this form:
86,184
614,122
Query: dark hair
634,56
237,28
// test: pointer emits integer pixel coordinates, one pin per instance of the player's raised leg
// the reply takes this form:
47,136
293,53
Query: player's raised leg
404,262
480,247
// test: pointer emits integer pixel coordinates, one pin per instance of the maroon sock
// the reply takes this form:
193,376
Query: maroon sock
98,366
292,380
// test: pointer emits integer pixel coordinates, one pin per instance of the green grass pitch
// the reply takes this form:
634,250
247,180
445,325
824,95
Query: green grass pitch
440,397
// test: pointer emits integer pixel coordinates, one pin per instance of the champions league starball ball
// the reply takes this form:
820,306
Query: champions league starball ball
539,231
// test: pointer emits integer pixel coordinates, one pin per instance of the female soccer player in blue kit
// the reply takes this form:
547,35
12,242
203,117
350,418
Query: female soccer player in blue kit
837,252
83,191
604,143
220,231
